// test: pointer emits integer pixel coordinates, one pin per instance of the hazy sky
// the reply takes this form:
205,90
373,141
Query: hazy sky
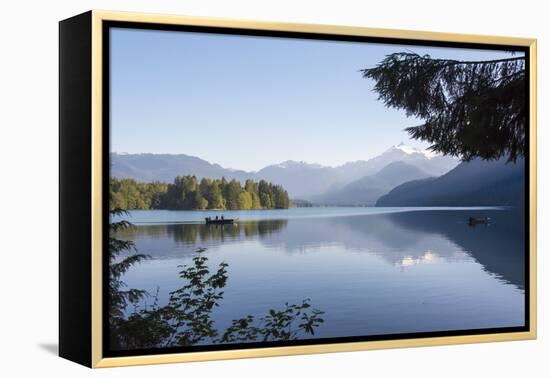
247,102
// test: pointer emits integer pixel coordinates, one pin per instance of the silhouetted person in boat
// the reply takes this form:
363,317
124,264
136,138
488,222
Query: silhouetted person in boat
216,217
222,217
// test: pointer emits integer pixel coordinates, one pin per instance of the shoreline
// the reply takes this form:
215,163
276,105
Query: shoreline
142,217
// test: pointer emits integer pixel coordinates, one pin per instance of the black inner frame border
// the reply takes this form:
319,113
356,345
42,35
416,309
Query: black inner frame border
106,27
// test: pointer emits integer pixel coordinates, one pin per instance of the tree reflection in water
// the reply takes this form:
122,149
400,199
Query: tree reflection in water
190,234
186,319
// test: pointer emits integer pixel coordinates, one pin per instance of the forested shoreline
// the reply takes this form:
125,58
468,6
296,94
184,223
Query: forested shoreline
188,193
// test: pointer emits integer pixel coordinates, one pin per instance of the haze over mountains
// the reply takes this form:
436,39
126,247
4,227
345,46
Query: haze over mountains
401,176
474,183
302,180
307,181
367,190
165,167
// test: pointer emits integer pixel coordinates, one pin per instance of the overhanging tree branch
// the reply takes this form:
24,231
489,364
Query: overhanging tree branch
470,108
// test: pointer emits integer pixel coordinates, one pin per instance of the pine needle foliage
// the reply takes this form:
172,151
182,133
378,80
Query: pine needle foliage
470,109
187,318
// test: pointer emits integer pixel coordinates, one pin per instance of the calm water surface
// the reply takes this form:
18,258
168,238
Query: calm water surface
372,270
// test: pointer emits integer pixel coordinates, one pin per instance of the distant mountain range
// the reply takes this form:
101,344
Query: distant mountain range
166,167
473,183
401,176
367,190
302,180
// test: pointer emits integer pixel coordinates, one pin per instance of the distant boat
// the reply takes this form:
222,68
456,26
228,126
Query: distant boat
472,221
219,221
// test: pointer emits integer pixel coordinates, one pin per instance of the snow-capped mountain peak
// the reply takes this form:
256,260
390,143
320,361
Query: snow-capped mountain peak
409,150
296,164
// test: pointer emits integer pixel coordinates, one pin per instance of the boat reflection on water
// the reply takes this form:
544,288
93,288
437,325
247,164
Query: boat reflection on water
158,237
393,272
398,238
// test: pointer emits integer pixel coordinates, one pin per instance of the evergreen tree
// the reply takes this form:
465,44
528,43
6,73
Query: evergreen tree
470,108
215,195
281,200
186,194
265,200
265,195
232,193
176,194
223,186
204,186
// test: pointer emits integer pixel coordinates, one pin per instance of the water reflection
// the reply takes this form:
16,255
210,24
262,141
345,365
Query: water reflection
499,247
187,317
414,271
400,239
195,233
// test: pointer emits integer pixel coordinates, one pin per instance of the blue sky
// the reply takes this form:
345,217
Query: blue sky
247,102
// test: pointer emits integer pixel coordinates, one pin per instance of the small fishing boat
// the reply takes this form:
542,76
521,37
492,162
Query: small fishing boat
472,221
210,220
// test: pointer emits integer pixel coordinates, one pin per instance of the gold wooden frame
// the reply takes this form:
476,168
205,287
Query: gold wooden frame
97,217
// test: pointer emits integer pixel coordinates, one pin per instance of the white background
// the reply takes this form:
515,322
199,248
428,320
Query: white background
29,186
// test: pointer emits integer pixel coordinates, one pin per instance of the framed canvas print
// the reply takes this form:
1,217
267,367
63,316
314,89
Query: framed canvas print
236,189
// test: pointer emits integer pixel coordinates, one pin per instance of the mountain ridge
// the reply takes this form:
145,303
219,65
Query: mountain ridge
366,190
473,183
302,180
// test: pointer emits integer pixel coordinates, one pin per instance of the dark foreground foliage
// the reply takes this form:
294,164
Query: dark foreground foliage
470,108
186,319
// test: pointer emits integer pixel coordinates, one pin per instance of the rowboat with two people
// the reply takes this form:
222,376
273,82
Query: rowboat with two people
219,220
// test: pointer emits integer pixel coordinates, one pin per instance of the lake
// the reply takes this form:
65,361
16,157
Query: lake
371,270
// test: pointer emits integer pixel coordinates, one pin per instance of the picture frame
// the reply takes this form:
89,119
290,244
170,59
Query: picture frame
85,148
